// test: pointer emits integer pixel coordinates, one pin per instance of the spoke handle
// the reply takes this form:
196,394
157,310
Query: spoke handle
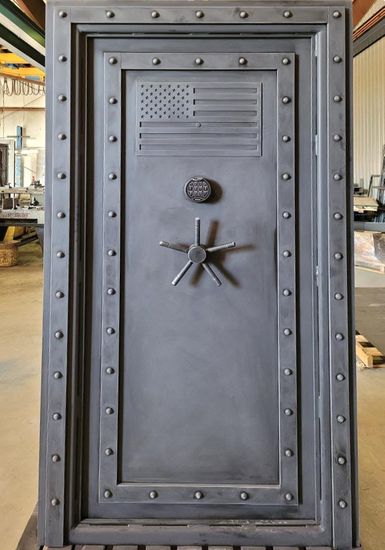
196,254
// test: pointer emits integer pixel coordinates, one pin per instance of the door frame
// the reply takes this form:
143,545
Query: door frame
70,27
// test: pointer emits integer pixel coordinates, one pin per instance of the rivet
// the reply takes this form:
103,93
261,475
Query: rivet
337,99
337,176
59,335
341,460
112,100
112,139
110,14
287,332
110,291
155,61
340,419
339,336
61,176
108,452
288,453
242,61
287,14
338,256
61,136
62,58
337,59
338,296
112,176
288,412
154,14
289,497
340,377
110,330
336,14
61,98
111,252
338,216
112,60
59,294
60,215
62,14
286,215
198,495
286,139
285,61
109,410
110,370
286,100
60,254
55,458
153,495
287,372
286,176
57,375
55,502
107,493
244,495
286,253
342,504
56,416
111,214
198,61
286,292
199,14
243,14
337,137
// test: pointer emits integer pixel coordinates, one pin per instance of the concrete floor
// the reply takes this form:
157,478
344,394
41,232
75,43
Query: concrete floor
20,329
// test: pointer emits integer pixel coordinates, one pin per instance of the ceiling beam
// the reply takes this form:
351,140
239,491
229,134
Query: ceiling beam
22,72
21,35
34,9
360,9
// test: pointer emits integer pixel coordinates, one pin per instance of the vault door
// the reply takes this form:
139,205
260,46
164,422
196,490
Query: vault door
197,387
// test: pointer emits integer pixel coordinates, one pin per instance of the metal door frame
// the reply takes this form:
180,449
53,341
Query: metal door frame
62,379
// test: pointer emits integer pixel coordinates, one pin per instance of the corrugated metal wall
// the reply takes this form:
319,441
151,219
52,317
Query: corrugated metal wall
369,111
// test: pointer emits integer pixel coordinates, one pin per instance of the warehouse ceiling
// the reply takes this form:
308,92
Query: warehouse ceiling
22,36
13,65
34,9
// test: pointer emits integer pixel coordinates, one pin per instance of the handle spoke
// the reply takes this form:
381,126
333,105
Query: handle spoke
182,273
221,247
173,246
210,271
197,231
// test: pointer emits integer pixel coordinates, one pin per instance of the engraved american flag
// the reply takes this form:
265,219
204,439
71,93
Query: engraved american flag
198,118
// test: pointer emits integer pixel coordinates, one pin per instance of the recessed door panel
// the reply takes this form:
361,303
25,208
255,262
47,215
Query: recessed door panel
198,362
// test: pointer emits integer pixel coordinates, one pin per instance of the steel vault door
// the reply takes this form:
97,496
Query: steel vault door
197,389
198,407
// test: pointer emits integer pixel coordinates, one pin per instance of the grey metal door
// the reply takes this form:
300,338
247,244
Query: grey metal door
201,406
200,389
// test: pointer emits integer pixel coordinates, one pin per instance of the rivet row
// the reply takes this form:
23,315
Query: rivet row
199,14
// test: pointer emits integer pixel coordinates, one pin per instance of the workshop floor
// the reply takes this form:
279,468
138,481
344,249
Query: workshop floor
20,329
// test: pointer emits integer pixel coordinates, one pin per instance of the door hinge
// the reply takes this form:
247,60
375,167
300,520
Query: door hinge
316,274
316,145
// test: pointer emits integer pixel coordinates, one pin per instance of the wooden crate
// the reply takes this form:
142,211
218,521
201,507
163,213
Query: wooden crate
368,354
9,252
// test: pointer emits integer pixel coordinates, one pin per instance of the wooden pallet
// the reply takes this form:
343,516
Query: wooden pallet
368,354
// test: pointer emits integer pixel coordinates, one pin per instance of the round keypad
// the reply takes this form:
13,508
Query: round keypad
197,189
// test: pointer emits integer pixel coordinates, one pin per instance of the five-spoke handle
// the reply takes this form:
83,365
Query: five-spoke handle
197,254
